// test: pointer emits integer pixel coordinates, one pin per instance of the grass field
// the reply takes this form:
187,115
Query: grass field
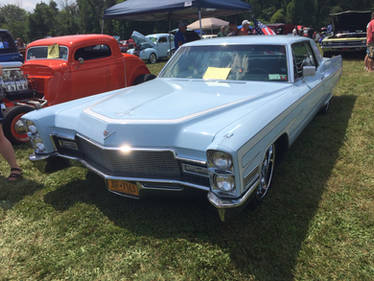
317,223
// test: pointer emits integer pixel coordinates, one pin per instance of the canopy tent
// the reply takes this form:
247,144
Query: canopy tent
208,23
145,10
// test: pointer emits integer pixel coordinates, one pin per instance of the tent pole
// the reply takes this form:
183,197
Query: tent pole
201,34
169,21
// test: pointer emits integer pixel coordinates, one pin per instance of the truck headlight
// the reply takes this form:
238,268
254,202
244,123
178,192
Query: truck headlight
224,183
219,160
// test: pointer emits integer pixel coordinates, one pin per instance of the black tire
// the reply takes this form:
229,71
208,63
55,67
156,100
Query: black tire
143,78
10,121
152,58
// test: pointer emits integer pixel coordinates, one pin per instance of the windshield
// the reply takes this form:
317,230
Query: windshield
152,38
47,52
234,62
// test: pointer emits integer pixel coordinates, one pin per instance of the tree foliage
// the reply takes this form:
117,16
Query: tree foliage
85,16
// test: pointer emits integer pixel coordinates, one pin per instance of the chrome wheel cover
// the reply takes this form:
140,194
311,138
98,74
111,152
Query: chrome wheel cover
152,58
266,172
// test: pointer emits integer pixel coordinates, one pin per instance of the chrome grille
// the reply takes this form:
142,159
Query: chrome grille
137,163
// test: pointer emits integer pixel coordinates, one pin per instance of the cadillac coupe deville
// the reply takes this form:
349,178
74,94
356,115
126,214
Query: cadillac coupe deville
217,118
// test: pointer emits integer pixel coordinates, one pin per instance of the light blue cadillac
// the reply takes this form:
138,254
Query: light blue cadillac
217,118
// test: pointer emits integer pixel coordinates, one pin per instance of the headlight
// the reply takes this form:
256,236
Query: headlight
224,183
221,172
33,134
219,160
32,129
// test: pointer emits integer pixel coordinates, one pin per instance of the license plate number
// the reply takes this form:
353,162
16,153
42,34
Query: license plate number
123,187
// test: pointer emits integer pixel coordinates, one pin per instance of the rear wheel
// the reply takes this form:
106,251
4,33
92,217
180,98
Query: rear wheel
13,127
152,58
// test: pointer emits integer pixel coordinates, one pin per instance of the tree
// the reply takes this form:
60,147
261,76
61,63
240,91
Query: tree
14,19
43,22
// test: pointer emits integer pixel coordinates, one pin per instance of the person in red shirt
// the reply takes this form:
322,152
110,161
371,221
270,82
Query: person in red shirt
370,45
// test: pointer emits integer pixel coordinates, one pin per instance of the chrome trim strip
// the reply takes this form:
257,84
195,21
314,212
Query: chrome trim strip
34,157
343,47
203,174
249,178
220,203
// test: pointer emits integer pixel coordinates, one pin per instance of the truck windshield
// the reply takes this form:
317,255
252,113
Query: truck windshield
47,52
229,62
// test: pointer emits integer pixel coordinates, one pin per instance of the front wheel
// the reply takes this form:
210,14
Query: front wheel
13,127
266,173
152,58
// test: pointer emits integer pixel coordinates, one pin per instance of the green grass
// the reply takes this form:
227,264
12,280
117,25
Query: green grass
317,223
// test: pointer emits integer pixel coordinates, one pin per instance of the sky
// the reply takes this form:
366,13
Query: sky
29,5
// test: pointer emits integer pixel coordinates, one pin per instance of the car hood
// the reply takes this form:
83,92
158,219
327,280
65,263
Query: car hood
166,112
140,38
42,67
350,21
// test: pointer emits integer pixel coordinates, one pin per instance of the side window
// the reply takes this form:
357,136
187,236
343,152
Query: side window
162,40
302,56
93,52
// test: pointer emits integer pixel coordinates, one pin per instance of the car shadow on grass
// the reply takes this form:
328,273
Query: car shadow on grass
13,192
263,242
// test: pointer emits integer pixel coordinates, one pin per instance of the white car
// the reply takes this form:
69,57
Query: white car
152,47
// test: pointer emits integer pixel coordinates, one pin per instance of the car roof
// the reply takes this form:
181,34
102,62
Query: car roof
158,34
250,39
71,40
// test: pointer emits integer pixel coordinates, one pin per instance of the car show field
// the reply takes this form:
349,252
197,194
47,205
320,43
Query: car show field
319,214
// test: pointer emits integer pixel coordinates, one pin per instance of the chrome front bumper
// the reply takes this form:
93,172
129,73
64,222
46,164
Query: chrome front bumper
51,163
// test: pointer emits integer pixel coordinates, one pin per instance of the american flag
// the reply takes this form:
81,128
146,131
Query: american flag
262,29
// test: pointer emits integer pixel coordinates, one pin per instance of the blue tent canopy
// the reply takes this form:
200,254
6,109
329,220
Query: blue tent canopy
146,10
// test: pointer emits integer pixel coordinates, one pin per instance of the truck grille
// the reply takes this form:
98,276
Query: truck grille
142,163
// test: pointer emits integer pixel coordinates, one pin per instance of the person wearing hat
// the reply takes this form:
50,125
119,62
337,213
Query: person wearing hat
180,38
245,28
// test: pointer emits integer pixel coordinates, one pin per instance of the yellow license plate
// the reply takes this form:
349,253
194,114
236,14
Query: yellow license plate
123,187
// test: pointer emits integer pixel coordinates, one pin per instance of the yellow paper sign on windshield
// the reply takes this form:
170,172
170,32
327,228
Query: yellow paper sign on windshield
216,73
53,51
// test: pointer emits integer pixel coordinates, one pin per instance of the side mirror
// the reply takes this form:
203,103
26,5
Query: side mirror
309,70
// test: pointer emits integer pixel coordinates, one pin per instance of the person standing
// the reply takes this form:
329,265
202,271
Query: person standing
245,28
6,150
369,59
180,37
233,29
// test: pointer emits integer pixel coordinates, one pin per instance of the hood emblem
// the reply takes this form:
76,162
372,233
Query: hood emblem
107,134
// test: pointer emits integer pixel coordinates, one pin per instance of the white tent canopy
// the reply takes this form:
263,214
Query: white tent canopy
208,23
